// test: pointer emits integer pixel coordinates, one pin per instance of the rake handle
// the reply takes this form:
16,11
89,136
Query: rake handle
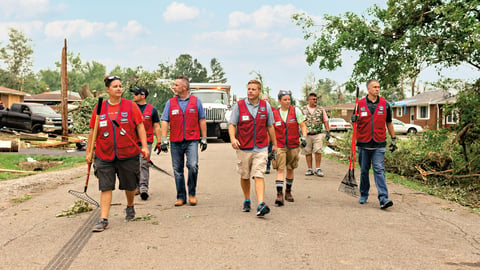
94,138
131,140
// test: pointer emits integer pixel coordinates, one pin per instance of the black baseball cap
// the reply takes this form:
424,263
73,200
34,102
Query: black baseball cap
140,91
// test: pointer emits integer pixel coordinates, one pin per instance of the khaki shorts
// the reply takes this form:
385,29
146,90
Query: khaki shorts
286,158
314,144
251,164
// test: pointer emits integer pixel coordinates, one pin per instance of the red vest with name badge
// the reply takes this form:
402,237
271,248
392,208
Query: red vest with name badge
110,144
147,122
247,123
372,126
286,132
184,125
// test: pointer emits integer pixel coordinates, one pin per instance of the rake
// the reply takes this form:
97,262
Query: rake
124,132
349,184
83,195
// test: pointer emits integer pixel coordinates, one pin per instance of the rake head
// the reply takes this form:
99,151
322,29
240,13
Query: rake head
349,185
85,197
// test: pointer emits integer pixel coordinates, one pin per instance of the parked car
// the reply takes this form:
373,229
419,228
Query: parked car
339,124
33,117
404,128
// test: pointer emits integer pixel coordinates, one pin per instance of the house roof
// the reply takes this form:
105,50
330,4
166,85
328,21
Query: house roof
426,98
52,96
4,90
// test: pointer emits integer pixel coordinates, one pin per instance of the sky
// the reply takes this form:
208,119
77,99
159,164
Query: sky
246,37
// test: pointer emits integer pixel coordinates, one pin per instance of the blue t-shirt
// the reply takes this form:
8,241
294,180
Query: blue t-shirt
183,105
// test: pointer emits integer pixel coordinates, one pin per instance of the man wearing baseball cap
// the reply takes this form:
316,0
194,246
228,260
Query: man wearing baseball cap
151,121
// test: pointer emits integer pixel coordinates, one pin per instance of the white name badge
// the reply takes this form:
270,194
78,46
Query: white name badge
174,112
363,114
102,123
278,123
245,118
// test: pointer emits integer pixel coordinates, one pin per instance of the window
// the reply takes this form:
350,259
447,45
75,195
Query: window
423,112
399,111
452,118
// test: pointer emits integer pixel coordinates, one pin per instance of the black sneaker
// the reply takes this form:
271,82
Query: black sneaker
100,226
246,206
129,213
262,209
144,196
385,204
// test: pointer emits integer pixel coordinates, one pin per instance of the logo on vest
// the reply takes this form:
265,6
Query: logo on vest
124,114
124,120
103,116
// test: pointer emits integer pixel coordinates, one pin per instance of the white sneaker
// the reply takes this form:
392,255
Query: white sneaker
309,172
319,172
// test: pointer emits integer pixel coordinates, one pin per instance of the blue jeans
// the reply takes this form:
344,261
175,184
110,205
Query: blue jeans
376,157
178,151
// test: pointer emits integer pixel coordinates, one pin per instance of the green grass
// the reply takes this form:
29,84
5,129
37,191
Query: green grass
11,161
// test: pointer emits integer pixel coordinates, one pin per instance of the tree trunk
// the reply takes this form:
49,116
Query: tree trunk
85,92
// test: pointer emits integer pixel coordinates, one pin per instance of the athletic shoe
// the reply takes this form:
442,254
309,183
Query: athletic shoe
362,200
129,213
309,172
319,172
262,209
385,204
246,206
144,196
267,171
100,226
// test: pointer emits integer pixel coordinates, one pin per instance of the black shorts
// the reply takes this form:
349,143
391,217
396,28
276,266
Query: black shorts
128,172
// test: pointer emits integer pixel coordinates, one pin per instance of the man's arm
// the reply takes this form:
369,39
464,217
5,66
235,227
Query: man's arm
303,127
203,127
390,129
164,129
231,132
157,131
273,139
143,139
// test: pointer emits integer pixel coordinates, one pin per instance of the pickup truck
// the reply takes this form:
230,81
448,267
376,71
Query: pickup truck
33,117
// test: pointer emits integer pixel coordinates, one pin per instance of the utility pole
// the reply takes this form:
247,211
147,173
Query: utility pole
64,100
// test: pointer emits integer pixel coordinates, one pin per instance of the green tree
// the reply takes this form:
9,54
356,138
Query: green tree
17,57
398,41
192,68
218,75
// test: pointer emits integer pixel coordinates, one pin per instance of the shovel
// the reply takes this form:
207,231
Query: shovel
349,184
124,132
83,195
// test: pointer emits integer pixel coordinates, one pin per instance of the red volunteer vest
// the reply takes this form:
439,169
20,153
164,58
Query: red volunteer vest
147,122
110,144
372,126
184,125
247,123
286,132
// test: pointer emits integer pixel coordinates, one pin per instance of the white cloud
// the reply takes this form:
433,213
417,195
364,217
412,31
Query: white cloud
131,30
83,28
265,17
180,12
289,43
28,28
235,37
17,9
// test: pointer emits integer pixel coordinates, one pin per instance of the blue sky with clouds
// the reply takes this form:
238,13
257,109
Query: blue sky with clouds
244,36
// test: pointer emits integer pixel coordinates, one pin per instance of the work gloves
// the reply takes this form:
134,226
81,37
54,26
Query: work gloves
354,118
393,144
163,145
203,144
272,155
327,135
158,148
303,141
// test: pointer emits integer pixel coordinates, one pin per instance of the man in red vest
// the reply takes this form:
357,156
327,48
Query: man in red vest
151,122
374,117
188,129
288,121
251,123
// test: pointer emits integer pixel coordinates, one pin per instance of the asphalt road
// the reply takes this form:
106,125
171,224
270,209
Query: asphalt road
322,229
